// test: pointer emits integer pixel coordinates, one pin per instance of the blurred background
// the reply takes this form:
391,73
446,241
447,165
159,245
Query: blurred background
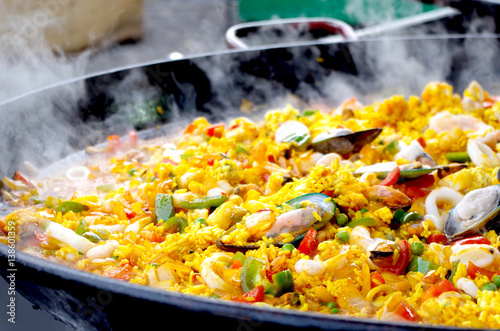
44,42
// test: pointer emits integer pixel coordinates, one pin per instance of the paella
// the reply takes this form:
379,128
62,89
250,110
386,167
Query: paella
387,210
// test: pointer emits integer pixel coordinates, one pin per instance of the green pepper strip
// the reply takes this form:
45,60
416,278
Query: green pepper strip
175,224
392,147
298,141
453,270
67,206
283,281
366,221
421,265
82,228
461,157
250,273
205,202
164,207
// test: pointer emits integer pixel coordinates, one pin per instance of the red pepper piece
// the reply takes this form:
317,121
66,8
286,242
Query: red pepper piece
473,270
215,130
392,177
122,272
376,279
436,290
309,244
406,312
437,238
473,240
255,295
236,264
403,260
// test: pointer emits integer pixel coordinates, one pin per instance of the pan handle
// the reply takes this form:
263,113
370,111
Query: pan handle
337,30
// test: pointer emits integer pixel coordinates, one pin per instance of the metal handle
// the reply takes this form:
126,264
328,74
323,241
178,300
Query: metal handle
340,31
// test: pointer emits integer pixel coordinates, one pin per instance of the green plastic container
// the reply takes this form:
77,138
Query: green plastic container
357,13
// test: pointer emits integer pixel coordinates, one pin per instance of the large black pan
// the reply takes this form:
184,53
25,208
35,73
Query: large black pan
47,125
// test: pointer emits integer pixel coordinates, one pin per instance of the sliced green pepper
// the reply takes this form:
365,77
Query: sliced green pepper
269,288
91,236
453,270
67,206
392,147
366,221
283,281
308,113
175,224
461,157
298,141
250,273
421,265
105,188
164,207
205,202
82,228
241,149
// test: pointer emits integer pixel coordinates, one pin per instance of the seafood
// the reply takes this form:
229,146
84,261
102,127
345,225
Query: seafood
473,212
309,210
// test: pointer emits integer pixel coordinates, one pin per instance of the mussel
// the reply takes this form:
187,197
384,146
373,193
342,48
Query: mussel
343,141
311,210
474,212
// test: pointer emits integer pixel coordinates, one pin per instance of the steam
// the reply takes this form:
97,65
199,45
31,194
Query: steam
45,127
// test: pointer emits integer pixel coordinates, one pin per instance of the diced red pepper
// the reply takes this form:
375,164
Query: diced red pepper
328,192
265,176
210,162
403,260
309,244
414,192
122,272
255,295
376,279
151,236
130,214
406,312
23,178
215,130
270,158
392,177
424,181
190,128
473,270
234,126
436,290
437,238
168,161
421,141
236,264
269,275
472,240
